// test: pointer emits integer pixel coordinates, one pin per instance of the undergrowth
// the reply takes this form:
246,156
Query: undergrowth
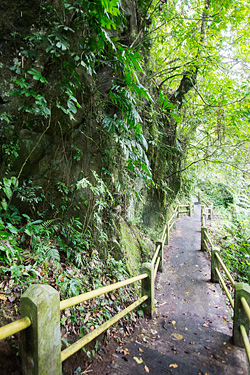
230,228
65,257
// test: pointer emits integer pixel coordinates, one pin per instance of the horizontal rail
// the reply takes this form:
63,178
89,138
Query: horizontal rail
184,205
208,238
207,248
156,267
246,307
95,293
172,218
171,225
205,200
14,327
155,254
70,350
225,270
245,340
164,239
164,232
225,287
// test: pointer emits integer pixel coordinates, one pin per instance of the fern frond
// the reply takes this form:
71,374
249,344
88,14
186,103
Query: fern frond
53,253
47,223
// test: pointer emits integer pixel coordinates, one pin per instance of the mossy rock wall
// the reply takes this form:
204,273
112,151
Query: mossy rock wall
135,248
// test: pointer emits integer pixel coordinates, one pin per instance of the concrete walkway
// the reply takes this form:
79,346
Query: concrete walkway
191,332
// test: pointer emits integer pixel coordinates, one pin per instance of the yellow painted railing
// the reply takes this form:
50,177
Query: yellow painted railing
66,353
223,266
147,294
155,262
14,327
216,261
224,287
179,209
245,338
97,292
239,304
244,334
155,254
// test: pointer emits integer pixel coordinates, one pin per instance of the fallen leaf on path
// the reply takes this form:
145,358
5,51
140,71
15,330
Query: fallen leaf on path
173,322
125,351
87,317
177,336
146,369
138,360
140,350
11,298
3,298
174,365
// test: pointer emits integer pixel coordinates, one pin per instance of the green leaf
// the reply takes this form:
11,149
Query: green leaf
12,229
8,192
4,204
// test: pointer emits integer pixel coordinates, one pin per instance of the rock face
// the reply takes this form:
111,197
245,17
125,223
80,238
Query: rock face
58,67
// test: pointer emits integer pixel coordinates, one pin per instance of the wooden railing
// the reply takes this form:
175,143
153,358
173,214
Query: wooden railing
240,301
40,311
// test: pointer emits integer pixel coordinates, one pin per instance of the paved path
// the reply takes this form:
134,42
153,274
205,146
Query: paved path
190,334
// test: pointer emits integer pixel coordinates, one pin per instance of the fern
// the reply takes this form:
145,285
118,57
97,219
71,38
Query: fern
53,253
47,223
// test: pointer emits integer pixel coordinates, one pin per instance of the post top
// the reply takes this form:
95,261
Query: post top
242,286
35,291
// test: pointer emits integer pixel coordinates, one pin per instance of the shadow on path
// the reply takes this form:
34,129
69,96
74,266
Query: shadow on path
190,334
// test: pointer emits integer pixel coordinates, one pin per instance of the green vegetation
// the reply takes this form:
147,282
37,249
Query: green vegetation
109,111
230,226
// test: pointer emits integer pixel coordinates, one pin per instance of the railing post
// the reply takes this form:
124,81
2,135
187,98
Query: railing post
148,289
240,317
190,208
199,197
167,234
160,242
204,218
210,212
214,264
203,236
41,342
202,211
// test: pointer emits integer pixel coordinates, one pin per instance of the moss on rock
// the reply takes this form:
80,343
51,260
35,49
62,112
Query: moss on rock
136,250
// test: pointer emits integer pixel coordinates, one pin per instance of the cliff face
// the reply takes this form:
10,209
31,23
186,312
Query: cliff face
71,103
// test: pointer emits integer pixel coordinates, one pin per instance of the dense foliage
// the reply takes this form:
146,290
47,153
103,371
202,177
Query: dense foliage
109,110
